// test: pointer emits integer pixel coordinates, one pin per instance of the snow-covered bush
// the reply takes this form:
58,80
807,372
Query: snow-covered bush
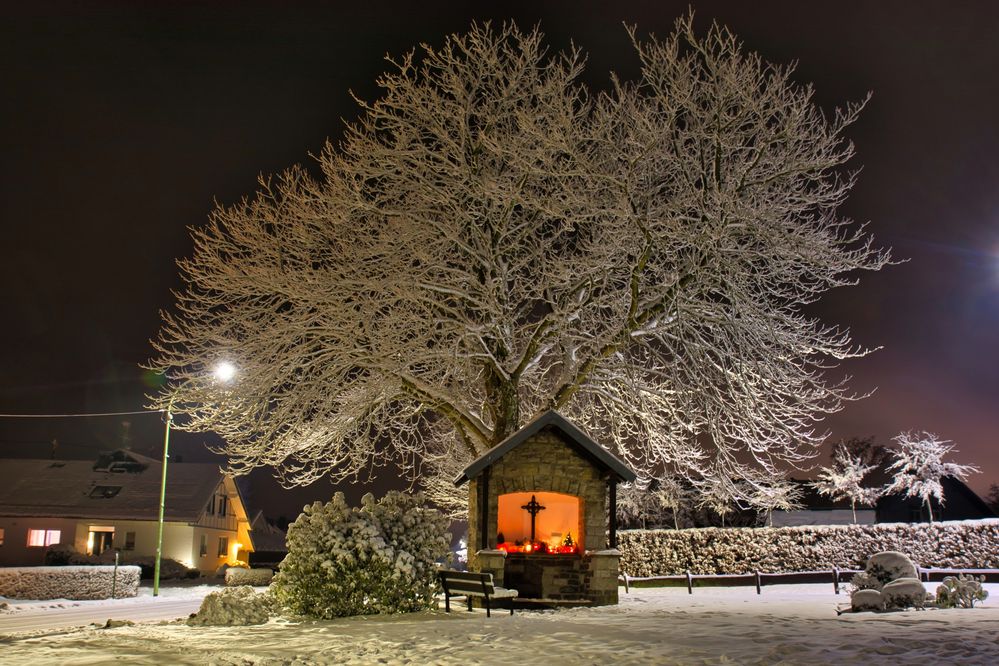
69,582
378,558
62,554
866,600
865,581
961,592
959,544
904,593
234,606
258,577
890,566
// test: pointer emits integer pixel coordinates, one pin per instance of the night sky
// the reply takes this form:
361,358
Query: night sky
121,124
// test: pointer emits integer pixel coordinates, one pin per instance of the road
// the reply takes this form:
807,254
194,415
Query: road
138,609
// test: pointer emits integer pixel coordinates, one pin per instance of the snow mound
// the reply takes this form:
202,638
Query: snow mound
233,606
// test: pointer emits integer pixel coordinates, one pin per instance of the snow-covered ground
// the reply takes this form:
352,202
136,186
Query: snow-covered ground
789,624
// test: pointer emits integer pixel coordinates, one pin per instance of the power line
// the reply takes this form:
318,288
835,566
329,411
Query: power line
72,416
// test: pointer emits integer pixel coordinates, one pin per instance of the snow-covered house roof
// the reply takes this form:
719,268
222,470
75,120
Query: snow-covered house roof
571,434
120,485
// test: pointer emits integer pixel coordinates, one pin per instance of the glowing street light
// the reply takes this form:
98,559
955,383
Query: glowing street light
224,372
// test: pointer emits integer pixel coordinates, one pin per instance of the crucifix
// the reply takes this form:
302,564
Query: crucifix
533,508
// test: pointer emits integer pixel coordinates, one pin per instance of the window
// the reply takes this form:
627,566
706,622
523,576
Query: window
104,492
223,546
204,545
223,503
129,541
211,506
1,536
39,538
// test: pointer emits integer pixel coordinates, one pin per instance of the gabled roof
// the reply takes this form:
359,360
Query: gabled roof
75,489
573,436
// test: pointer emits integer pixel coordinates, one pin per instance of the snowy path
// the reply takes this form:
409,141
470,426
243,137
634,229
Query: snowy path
173,603
792,624
75,616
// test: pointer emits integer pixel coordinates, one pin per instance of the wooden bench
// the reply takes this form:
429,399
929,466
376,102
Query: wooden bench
470,584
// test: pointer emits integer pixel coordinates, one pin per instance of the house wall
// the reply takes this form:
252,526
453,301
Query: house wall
15,550
181,542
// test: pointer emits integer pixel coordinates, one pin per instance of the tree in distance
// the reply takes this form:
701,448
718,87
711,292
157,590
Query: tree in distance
492,239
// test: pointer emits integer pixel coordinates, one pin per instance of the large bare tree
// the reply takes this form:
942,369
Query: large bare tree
491,239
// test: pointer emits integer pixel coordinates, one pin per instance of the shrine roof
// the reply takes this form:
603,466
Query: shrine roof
572,435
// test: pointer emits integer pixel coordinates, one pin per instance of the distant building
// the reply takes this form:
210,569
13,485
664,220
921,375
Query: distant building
269,546
819,509
960,503
113,503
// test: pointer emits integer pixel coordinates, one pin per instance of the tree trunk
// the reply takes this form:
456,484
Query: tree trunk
503,402
929,507
853,507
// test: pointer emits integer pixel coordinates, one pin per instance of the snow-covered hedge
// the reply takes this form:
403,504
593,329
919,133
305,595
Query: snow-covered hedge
235,576
80,582
969,544
378,558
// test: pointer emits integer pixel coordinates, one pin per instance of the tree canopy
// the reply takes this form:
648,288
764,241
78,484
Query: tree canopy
491,239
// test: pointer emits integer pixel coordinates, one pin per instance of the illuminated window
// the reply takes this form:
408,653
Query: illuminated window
40,538
223,546
1,536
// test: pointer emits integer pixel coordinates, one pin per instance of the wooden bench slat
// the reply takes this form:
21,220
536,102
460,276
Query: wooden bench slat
472,584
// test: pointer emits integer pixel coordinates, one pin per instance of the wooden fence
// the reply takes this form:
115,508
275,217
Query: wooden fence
836,576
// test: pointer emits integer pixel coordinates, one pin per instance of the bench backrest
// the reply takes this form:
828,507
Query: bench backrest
466,582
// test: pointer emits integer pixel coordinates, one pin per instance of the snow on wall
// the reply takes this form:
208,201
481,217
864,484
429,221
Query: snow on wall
80,582
959,544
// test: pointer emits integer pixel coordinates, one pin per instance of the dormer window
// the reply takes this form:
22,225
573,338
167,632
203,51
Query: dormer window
104,492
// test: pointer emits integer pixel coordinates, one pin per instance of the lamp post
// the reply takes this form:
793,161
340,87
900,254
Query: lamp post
223,372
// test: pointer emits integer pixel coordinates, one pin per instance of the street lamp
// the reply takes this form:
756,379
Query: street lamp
223,372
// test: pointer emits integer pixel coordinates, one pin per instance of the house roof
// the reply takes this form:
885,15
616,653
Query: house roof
121,485
572,435
265,536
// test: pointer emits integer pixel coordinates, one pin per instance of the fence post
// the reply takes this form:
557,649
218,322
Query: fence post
114,577
690,583
836,579
757,582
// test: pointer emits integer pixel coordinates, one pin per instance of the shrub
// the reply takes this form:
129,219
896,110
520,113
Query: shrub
236,576
961,592
69,582
378,558
904,593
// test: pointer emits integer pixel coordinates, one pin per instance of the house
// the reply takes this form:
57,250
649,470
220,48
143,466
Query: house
818,509
268,540
113,503
960,503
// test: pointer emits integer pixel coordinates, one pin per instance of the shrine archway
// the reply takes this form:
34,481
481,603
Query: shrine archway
555,518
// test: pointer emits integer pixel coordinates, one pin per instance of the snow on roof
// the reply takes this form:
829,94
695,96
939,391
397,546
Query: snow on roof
83,489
